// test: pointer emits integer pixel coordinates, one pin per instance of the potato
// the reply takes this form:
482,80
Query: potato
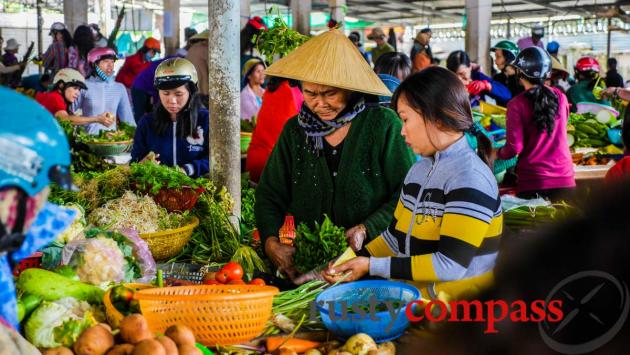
387,348
94,341
61,350
329,346
134,329
122,349
180,334
169,345
285,351
188,349
313,352
149,347
360,344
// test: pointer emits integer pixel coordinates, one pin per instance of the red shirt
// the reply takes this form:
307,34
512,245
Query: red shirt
619,172
52,101
134,64
277,108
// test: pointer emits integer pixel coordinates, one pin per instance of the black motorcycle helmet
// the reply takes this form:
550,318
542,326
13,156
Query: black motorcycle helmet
533,62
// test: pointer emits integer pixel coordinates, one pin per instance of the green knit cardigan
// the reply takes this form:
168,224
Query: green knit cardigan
374,162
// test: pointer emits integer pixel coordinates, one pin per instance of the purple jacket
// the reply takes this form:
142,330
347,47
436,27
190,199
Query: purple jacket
544,161
144,80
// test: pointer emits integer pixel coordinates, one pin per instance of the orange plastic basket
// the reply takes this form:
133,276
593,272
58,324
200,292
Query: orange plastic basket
111,313
217,314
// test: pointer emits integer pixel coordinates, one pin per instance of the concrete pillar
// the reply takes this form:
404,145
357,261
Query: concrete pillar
224,79
246,12
479,14
337,10
301,16
103,10
171,26
75,13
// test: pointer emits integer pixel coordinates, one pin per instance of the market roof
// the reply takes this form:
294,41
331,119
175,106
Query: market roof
407,12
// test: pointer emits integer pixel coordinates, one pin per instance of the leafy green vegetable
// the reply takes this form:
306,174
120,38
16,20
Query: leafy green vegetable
279,39
59,323
319,245
124,133
248,125
153,177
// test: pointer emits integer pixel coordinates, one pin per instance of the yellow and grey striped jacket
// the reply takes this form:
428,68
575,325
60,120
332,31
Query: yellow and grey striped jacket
447,224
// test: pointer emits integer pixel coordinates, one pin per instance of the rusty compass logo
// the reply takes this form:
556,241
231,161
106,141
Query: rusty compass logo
595,306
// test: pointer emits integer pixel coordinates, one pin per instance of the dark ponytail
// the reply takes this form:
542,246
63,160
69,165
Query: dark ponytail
439,97
545,104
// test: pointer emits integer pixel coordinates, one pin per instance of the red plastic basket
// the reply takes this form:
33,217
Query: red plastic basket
33,261
178,200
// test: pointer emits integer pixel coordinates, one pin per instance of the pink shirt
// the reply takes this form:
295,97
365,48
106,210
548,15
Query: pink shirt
544,160
527,42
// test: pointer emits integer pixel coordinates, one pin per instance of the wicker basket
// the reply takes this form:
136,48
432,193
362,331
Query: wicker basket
217,314
166,244
111,313
110,148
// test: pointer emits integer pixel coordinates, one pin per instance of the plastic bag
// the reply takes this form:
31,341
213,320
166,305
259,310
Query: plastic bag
142,254
96,260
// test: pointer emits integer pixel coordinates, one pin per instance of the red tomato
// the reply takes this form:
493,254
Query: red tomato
211,282
236,282
233,271
221,277
257,282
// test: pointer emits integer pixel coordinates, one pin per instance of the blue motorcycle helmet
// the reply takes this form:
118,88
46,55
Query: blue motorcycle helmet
33,147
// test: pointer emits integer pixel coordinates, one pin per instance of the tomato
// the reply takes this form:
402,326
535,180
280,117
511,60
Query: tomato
221,277
257,282
210,276
211,282
237,282
233,271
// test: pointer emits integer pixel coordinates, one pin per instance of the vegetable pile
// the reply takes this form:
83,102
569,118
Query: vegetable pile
587,130
124,133
135,212
321,244
519,214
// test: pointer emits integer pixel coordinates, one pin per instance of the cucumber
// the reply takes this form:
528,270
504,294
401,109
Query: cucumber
51,286
587,129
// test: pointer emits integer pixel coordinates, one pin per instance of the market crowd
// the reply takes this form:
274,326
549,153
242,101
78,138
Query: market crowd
382,142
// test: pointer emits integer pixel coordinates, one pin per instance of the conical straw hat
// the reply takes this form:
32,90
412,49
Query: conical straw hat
330,59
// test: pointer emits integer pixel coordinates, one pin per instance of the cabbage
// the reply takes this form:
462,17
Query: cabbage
58,323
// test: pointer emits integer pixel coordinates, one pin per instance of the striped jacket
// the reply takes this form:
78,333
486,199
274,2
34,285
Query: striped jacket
447,223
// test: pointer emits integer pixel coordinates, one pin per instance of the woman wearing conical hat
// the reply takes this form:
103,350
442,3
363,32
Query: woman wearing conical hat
341,156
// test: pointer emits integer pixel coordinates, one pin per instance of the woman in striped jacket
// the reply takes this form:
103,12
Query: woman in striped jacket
448,221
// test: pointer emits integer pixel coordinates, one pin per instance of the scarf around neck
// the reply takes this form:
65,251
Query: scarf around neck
316,128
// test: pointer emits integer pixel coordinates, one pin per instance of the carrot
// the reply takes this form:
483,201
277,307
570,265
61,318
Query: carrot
295,344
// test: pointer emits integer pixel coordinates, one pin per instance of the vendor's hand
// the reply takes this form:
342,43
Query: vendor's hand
309,276
478,86
609,92
510,70
356,267
105,119
151,157
356,236
281,255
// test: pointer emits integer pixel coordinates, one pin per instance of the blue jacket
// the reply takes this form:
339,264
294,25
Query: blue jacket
499,92
192,156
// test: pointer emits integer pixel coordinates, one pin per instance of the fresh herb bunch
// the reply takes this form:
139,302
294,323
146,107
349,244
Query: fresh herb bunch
248,219
152,177
318,245
82,158
279,39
